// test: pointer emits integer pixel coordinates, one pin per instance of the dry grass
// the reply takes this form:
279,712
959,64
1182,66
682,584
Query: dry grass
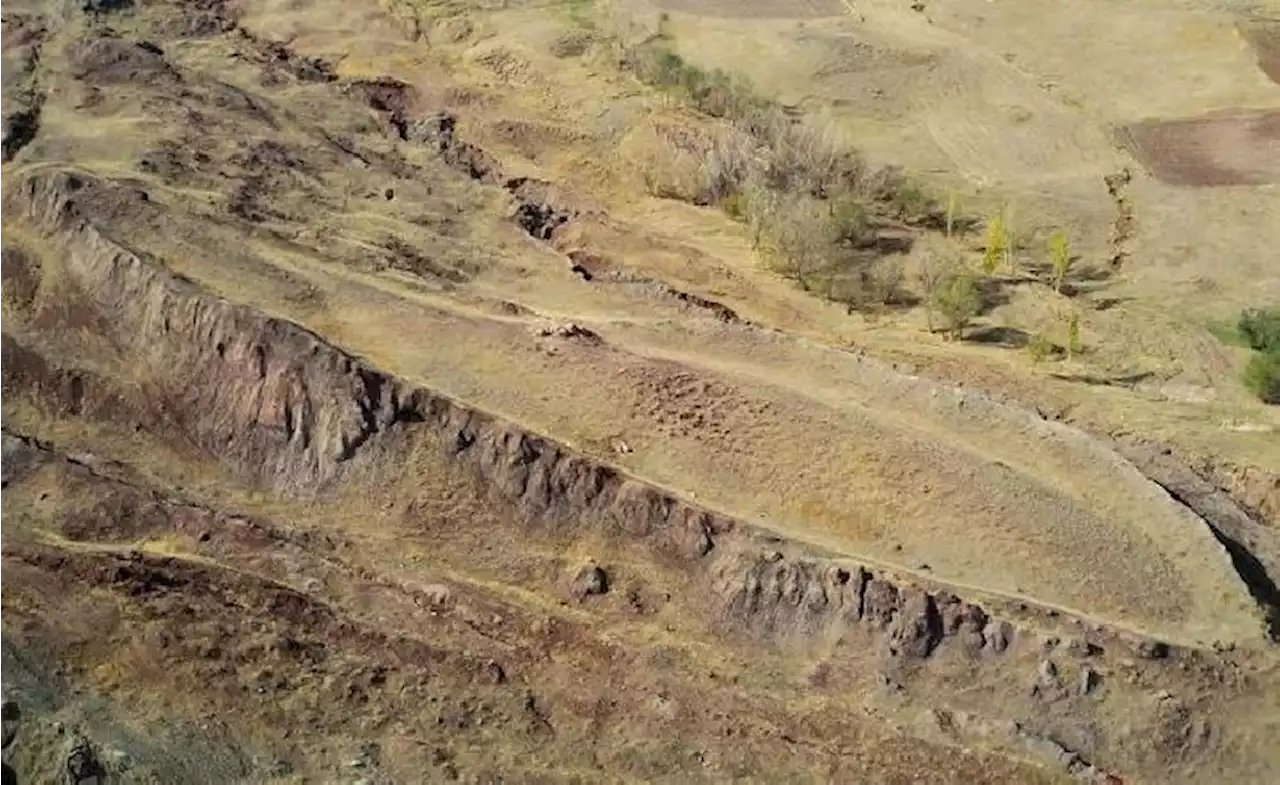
778,423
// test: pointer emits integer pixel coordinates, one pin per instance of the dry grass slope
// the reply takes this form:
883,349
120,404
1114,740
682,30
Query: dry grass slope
410,392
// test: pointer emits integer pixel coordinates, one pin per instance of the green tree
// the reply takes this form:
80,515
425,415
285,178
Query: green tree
1260,328
997,247
928,275
1060,257
1074,346
958,299
1262,376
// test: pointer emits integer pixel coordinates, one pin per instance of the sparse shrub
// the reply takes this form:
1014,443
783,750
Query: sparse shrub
927,277
801,157
735,206
717,93
806,198
1260,328
727,166
1262,376
761,204
670,171
1074,345
1059,257
911,201
849,222
1040,348
797,231
958,299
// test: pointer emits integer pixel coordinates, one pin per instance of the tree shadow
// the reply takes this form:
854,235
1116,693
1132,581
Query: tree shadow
993,293
1123,380
884,239
1107,303
1007,337
1080,279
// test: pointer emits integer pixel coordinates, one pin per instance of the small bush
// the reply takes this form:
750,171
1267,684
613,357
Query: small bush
1041,348
911,201
1260,329
1262,376
958,299
670,171
1074,345
1059,257
735,206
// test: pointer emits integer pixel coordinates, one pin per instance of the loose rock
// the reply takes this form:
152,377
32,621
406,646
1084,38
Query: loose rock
12,715
1048,672
590,581
997,635
1089,679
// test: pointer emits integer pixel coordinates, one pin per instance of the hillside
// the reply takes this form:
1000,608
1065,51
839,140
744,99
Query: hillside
395,392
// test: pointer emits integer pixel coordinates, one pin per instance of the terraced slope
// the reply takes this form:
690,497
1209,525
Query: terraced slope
343,446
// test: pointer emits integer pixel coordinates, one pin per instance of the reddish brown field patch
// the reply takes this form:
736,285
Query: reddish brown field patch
1236,148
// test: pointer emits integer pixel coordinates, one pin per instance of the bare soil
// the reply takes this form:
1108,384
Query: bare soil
1236,149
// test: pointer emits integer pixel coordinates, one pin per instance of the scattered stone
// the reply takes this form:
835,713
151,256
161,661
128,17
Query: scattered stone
101,6
435,595
917,629
495,672
879,601
997,634
1050,751
590,581
570,331
11,715
891,684
1048,672
1153,650
1089,679
83,767
819,674
1078,647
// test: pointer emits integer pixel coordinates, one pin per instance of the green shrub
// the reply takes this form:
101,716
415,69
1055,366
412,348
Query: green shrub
1059,257
959,299
1262,375
1041,348
735,206
1260,329
912,201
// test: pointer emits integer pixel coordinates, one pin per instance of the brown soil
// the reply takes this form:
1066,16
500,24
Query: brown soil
1240,148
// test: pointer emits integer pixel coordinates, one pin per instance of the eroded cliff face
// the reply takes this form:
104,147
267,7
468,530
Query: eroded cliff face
279,407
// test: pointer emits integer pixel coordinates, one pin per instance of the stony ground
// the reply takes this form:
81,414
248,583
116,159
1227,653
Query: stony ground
366,421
